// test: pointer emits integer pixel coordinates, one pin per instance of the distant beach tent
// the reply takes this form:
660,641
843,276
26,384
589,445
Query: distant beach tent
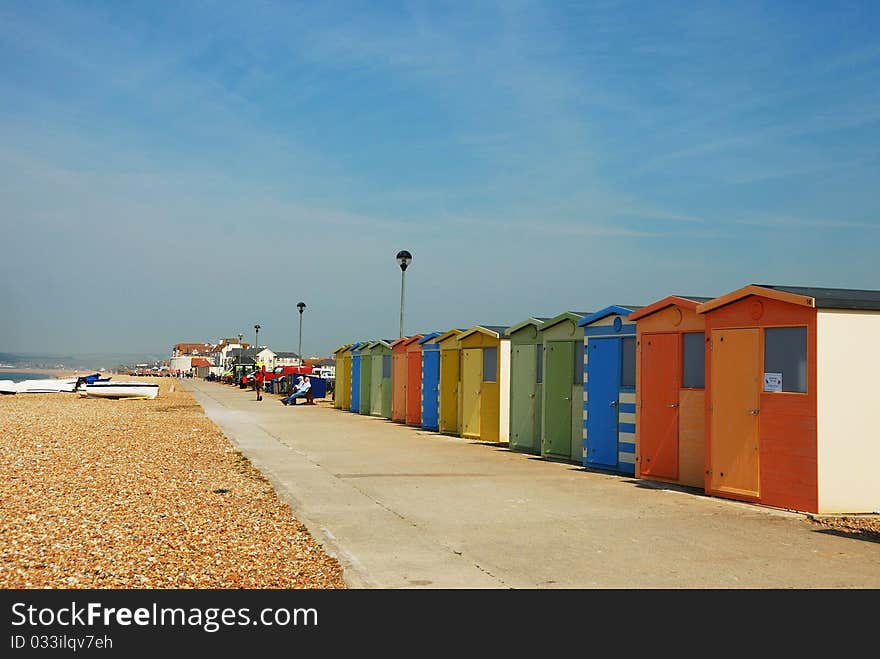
380,380
485,383
670,391
342,379
609,420
414,379
366,375
791,389
356,376
430,400
399,375
526,384
449,401
562,408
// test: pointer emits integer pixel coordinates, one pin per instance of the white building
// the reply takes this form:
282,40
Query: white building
267,357
287,359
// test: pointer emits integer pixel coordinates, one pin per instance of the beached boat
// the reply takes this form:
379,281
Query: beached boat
121,390
8,387
53,386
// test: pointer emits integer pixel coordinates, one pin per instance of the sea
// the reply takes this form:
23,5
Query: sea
18,376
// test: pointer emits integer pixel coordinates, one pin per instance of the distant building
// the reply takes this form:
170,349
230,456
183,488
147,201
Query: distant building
267,357
324,367
246,356
182,349
287,359
200,367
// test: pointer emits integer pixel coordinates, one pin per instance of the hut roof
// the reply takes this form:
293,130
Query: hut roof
808,296
614,309
687,301
531,320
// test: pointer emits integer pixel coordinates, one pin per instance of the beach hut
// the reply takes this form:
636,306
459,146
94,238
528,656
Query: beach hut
562,407
485,383
430,380
526,378
414,379
344,385
356,376
366,377
791,397
670,391
399,375
380,396
449,404
339,356
609,419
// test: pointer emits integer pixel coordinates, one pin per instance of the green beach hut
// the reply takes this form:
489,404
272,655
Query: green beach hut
563,391
380,380
526,377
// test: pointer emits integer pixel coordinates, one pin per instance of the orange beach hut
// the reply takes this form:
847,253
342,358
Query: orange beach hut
399,376
413,415
791,397
670,391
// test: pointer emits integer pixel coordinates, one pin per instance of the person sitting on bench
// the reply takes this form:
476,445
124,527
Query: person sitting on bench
302,390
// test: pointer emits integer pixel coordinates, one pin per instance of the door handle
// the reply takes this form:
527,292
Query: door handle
753,412
673,405
613,403
566,398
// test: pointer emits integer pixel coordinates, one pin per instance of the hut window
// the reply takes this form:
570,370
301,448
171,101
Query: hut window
785,352
386,366
628,362
578,362
693,360
540,365
490,360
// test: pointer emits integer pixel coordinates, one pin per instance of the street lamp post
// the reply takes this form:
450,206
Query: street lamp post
257,382
403,259
240,356
301,306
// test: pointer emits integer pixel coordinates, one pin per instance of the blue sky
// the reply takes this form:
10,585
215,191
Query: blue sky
181,171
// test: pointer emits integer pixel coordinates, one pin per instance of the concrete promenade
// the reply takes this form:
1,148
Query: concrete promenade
404,508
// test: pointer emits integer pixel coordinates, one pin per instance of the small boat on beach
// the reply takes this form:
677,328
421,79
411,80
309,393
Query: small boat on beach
52,386
121,390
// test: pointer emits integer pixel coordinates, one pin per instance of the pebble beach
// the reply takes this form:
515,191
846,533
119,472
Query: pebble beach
141,494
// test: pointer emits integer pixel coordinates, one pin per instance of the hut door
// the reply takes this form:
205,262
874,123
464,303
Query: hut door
523,376
735,405
659,405
366,383
376,385
430,382
449,377
603,378
471,380
414,387
356,383
557,395
398,387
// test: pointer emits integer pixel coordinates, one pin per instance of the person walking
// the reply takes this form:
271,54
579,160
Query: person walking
258,381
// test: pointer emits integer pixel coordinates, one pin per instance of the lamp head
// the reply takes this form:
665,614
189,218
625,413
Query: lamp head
403,259
301,306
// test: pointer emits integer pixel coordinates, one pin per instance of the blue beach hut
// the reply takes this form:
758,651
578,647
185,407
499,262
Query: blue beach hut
609,440
430,381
